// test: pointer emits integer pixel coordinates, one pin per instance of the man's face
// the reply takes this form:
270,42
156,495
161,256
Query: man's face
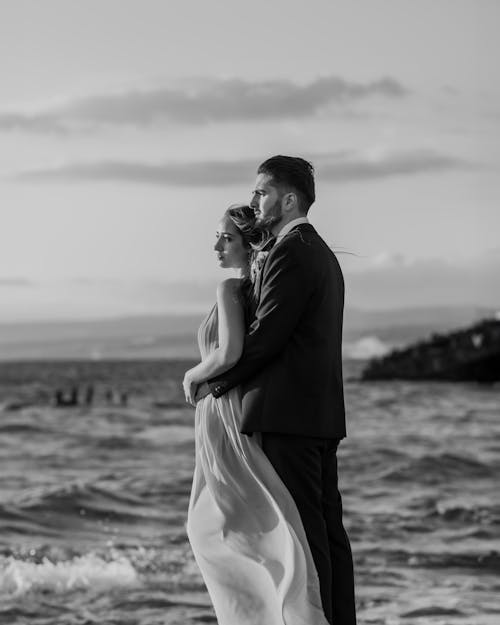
266,203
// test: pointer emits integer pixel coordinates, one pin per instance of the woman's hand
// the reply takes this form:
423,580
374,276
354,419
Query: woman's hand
190,387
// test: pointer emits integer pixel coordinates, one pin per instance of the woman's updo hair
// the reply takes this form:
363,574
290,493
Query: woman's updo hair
244,219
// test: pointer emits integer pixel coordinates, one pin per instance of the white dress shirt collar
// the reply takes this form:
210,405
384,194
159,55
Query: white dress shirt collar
289,226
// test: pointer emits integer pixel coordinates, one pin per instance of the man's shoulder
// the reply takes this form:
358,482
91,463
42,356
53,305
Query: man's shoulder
300,239
294,249
305,245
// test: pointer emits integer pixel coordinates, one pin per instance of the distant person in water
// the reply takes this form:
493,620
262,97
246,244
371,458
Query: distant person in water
265,514
89,394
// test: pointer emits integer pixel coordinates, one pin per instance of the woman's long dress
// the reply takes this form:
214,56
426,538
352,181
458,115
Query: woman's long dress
243,525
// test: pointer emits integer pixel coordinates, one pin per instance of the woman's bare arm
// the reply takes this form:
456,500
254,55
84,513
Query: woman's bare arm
231,331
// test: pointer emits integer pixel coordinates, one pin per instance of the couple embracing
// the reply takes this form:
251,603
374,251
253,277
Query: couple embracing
265,513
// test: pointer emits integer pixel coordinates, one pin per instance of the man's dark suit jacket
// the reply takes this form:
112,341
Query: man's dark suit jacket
290,370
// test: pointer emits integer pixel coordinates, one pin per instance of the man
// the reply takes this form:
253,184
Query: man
290,371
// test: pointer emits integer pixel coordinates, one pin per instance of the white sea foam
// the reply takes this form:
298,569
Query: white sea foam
18,576
366,347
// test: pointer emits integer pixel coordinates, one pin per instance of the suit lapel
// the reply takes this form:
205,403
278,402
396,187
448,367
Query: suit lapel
258,282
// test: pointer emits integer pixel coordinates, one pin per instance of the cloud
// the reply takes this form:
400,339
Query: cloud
33,122
436,282
355,167
338,167
218,101
16,282
210,173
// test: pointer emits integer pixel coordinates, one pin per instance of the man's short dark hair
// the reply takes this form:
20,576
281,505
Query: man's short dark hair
292,172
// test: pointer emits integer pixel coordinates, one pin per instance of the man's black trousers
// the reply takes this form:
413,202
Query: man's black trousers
308,468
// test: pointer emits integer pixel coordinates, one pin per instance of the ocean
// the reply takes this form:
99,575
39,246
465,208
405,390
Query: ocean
94,497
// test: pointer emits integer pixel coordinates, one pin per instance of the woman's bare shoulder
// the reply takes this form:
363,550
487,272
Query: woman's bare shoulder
229,287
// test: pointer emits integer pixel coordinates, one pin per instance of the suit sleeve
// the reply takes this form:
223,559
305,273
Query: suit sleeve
285,291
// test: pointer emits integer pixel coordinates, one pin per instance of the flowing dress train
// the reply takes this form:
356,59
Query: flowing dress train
243,525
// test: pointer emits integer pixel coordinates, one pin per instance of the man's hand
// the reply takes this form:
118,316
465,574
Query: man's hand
202,391
190,388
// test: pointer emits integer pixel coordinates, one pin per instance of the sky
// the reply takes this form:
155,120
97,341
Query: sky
128,126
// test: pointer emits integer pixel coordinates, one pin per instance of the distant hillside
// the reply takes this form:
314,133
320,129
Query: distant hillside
174,336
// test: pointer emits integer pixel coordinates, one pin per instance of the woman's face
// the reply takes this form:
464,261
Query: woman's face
229,247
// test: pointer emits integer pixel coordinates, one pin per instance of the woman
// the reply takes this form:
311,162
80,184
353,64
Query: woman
243,525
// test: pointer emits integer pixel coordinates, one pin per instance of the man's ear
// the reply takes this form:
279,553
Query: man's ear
290,201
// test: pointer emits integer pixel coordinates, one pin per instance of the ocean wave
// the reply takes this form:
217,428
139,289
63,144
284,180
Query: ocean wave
485,561
480,562
167,434
79,499
18,577
433,610
366,347
21,428
431,469
468,514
